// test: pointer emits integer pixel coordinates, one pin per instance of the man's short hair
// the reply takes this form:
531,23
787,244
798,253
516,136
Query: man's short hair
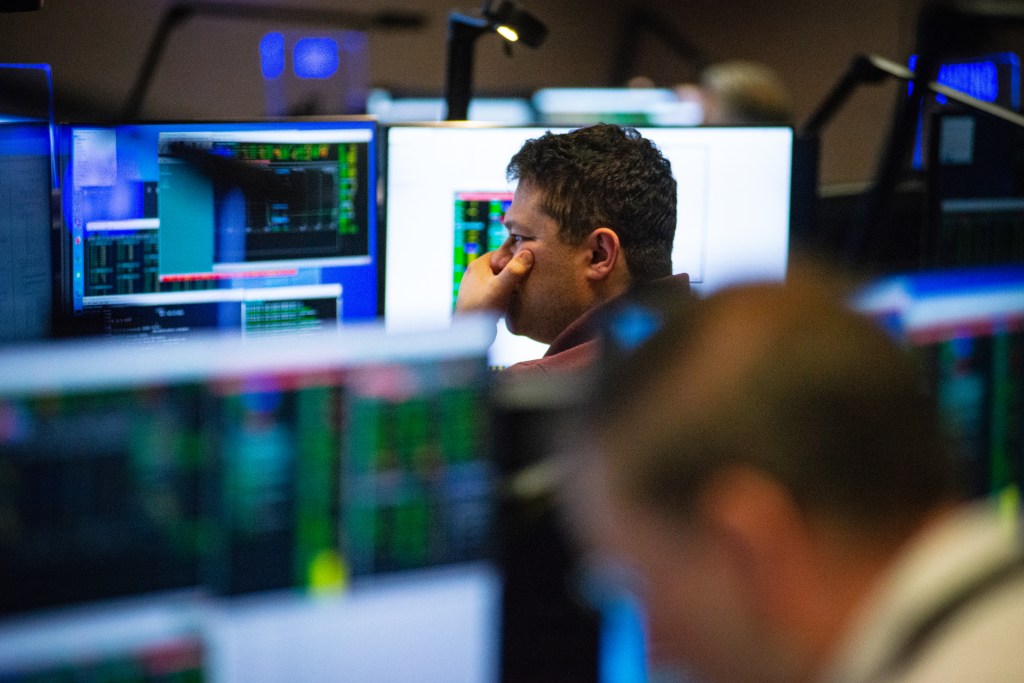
787,381
606,176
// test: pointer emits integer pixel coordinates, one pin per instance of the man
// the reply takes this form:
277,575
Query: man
740,93
594,214
771,477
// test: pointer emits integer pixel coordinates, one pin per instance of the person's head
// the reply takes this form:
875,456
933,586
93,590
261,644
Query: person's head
759,462
597,208
739,92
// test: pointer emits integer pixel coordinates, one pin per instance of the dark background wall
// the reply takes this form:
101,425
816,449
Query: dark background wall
211,67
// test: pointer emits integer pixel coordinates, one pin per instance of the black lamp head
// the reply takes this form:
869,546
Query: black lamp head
514,23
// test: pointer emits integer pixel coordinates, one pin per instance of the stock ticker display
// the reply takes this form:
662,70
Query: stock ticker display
263,483
318,209
479,228
101,495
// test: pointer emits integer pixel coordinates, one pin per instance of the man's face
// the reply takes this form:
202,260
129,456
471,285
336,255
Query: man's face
553,294
694,601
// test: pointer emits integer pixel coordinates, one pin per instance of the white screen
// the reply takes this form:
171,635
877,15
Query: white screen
733,220
434,624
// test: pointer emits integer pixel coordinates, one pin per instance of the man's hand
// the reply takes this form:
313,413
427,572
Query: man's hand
486,288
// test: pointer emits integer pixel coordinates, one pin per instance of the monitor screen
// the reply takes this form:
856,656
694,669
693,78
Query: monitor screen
630,106
992,78
256,227
26,265
388,108
271,509
967,328
447,192
976,197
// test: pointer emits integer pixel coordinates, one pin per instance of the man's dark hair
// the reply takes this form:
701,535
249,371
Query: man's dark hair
606,176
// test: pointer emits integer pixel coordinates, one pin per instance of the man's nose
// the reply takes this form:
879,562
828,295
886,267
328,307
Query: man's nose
501,256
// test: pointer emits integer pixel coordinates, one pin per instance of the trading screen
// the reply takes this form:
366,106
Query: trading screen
233,509
260,227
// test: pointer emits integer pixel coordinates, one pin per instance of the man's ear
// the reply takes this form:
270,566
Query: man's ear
605,253
763,532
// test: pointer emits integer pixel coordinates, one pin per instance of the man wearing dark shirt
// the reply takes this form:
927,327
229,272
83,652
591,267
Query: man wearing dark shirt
593,215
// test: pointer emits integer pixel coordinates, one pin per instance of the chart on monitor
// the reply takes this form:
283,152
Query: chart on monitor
263,228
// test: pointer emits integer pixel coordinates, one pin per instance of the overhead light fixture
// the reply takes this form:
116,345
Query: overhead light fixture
508,33
514,23
503,17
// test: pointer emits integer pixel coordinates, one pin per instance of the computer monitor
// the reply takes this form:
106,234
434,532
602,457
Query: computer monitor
993,78
446,193
275,509
26,263
967,328
976,200
390,108
629,106
259,227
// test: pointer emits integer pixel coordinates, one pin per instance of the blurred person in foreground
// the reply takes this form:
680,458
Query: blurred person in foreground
769,473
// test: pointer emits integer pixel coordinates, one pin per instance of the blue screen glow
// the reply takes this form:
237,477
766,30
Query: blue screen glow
979,78
316,57
272,55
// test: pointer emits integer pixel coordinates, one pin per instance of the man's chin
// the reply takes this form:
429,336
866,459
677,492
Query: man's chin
515,325
512,324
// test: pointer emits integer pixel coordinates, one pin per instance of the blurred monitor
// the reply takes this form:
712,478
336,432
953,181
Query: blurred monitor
232,510
967,327
976,204
26,258
446,194
258,227
629,106
388,108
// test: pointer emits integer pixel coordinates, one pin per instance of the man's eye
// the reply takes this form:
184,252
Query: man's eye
515,239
